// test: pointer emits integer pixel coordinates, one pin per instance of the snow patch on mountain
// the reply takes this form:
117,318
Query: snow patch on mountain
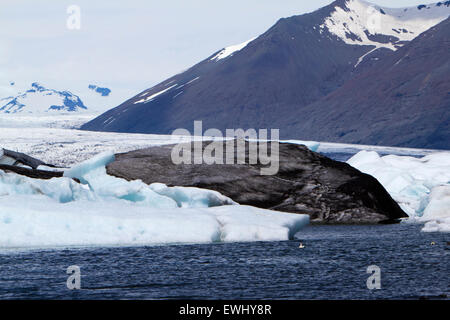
362,23
40,100
229,51
153,96
160,92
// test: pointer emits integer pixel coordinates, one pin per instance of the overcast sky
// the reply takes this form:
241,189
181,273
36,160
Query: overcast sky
128,45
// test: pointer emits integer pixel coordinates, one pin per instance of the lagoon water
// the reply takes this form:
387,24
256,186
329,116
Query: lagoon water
333,265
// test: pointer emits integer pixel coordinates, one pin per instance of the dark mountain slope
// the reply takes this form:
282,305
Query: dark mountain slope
403,100
291,65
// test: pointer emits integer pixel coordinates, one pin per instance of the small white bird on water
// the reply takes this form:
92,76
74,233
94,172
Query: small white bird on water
301,246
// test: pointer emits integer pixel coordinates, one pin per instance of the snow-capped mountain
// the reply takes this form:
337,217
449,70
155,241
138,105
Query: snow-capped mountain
266,82
361,23
404,99
41,100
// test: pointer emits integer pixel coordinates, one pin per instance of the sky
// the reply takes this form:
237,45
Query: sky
128,45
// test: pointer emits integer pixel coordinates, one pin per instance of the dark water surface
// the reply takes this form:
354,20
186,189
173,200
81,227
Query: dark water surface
332,265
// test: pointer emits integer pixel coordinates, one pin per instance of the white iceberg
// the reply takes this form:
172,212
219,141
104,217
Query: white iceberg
30,221
421,186
311,145
106,210
437,213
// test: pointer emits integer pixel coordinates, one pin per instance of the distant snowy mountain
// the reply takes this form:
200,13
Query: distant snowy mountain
6,100
104,92
269,81
41,100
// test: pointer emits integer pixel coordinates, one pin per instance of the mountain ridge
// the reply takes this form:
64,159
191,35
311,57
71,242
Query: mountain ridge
295,63
418,97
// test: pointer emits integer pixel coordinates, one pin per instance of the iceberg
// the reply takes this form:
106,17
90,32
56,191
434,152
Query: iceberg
107,211
311,145
52,224
92,173
437,213
420,185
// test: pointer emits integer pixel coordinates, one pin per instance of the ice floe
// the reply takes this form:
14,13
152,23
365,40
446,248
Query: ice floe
420,185
105,210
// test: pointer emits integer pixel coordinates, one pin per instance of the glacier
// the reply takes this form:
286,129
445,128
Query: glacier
66,147
107,211
421,186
